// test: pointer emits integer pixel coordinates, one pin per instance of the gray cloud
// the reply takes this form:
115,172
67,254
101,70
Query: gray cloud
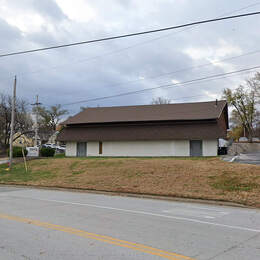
49,9
89,71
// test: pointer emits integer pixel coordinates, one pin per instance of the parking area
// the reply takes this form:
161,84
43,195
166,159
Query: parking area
249,158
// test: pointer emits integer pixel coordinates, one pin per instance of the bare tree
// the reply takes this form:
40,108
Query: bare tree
23,121
50,118
244,100
160,100
254,84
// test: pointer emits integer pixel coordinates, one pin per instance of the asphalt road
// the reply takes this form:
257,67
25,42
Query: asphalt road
249,158
49,224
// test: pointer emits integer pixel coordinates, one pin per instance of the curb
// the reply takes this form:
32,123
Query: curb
136,195
234,158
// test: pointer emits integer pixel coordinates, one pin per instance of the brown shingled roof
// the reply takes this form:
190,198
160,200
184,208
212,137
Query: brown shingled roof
182,111
143,131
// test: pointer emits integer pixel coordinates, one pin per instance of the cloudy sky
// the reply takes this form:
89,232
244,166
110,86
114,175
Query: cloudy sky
95,70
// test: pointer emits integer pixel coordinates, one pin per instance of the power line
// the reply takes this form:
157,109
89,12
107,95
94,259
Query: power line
159,75
171,99
208,78
188,68
242,8
181,98
131,34
139,44
175,71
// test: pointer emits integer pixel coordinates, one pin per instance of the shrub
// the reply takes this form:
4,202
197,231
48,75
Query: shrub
47,152
17,151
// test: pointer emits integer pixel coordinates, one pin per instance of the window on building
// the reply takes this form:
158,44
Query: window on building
100,148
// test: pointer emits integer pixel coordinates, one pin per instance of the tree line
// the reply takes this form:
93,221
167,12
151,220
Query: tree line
244,102
49,118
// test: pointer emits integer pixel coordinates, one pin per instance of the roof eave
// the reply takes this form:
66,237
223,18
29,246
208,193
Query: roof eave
142,121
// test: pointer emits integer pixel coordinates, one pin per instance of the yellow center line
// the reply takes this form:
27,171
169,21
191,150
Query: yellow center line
106,239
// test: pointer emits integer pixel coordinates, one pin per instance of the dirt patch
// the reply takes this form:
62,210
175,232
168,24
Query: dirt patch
206,178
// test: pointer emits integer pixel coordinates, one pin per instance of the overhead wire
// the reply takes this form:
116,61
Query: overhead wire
185,69
138,44
188,68
130,34
220,75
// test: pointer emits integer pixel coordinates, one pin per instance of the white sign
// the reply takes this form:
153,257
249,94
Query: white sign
33,151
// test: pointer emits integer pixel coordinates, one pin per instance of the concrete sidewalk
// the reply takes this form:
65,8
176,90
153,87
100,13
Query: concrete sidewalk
248,158
4,160
19,159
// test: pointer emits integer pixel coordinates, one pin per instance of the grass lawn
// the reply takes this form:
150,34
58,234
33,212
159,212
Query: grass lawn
205,178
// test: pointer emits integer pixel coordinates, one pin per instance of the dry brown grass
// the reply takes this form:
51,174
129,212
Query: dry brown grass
208,178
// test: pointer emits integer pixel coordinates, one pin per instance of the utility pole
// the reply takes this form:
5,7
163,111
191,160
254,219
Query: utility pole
12,125
36,104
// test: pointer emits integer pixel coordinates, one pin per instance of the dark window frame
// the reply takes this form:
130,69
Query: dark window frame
100,148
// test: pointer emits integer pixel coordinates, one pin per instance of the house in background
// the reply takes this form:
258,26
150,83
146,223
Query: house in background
22,140
187,129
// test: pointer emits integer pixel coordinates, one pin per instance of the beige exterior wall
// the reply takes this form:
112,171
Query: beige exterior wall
138,148
133,148
71,149
181,147
92,148
143,148
210,147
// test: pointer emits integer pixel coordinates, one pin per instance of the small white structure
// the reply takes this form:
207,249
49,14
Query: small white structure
33,151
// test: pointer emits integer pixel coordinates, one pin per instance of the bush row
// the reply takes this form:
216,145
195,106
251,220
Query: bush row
17,151
45,152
